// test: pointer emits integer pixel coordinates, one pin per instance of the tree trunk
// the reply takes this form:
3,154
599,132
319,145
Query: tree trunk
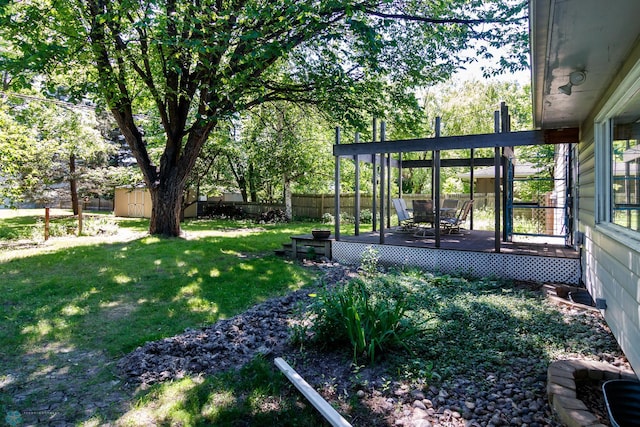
252,183
288,205
166,209
242,185
73,183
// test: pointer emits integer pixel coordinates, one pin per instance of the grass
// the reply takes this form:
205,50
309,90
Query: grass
166,285
107,296
73,306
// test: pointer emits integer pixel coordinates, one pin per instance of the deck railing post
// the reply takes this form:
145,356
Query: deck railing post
496,154
436,184
337,190
382,176
356,203
374,183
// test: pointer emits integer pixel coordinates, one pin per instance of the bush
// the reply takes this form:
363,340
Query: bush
366,216
99,225
273,216
345,218
364,315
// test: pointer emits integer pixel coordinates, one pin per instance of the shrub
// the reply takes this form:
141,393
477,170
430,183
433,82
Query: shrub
369,261
370,321
346,218
68,226
366,216
273,216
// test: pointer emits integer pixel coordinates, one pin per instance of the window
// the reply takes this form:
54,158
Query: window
625,168
617,156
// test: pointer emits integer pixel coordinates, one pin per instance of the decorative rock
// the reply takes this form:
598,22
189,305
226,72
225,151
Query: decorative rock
419,404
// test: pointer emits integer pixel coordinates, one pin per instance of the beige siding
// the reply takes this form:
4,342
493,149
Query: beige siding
134,203
611,255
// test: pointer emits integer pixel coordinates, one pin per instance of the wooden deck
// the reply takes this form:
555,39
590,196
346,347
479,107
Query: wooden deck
467,240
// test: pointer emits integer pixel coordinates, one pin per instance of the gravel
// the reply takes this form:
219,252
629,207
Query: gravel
516,397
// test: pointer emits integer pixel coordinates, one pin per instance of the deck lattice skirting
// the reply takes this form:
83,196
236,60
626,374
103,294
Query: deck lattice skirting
476,264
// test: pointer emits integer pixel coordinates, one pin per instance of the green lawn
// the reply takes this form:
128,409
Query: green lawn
109,295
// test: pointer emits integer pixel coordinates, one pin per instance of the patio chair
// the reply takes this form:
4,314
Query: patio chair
449,208
452,225
423,214
405,220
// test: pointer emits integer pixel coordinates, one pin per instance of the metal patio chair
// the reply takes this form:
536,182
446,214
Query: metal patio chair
423,214
405,220
453,224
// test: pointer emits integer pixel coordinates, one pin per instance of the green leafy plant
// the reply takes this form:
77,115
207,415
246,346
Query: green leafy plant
311,252
346,218
371,322
366,216
369,261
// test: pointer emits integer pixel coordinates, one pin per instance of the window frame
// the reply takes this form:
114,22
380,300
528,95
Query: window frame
626,90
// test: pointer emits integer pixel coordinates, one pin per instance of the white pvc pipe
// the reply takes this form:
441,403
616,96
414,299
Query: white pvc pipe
327,411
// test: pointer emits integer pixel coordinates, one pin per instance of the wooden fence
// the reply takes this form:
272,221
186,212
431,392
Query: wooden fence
314,206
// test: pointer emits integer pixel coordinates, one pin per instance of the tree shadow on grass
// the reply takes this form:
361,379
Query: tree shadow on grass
68,315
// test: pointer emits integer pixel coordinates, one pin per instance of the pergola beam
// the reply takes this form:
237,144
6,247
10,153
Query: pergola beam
489,140
449,163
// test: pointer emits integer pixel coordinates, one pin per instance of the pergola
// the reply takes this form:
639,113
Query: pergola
379,154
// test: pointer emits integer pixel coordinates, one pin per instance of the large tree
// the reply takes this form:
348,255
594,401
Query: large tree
200,61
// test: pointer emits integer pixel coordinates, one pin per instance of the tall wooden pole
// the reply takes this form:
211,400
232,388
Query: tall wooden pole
356,159
388,201
374,183
382,176
507,171
46,224
496,161
436,184
336,232
80,219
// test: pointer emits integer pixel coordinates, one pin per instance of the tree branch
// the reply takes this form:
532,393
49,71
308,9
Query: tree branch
425,19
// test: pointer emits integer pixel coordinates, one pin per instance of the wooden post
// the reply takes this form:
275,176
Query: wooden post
400,157
337,190
356,208
46,224
436,186
383,128
496,187
471,189
388,201
374,183
79,219
507,170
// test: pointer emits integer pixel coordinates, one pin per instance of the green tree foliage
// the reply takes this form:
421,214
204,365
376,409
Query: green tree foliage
467,108
48,149
200,62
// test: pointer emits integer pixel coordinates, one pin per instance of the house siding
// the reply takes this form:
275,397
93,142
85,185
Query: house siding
610,255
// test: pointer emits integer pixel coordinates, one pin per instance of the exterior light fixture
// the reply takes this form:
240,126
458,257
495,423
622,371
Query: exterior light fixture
576,78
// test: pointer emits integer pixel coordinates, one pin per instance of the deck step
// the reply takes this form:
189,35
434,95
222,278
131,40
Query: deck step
285,251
